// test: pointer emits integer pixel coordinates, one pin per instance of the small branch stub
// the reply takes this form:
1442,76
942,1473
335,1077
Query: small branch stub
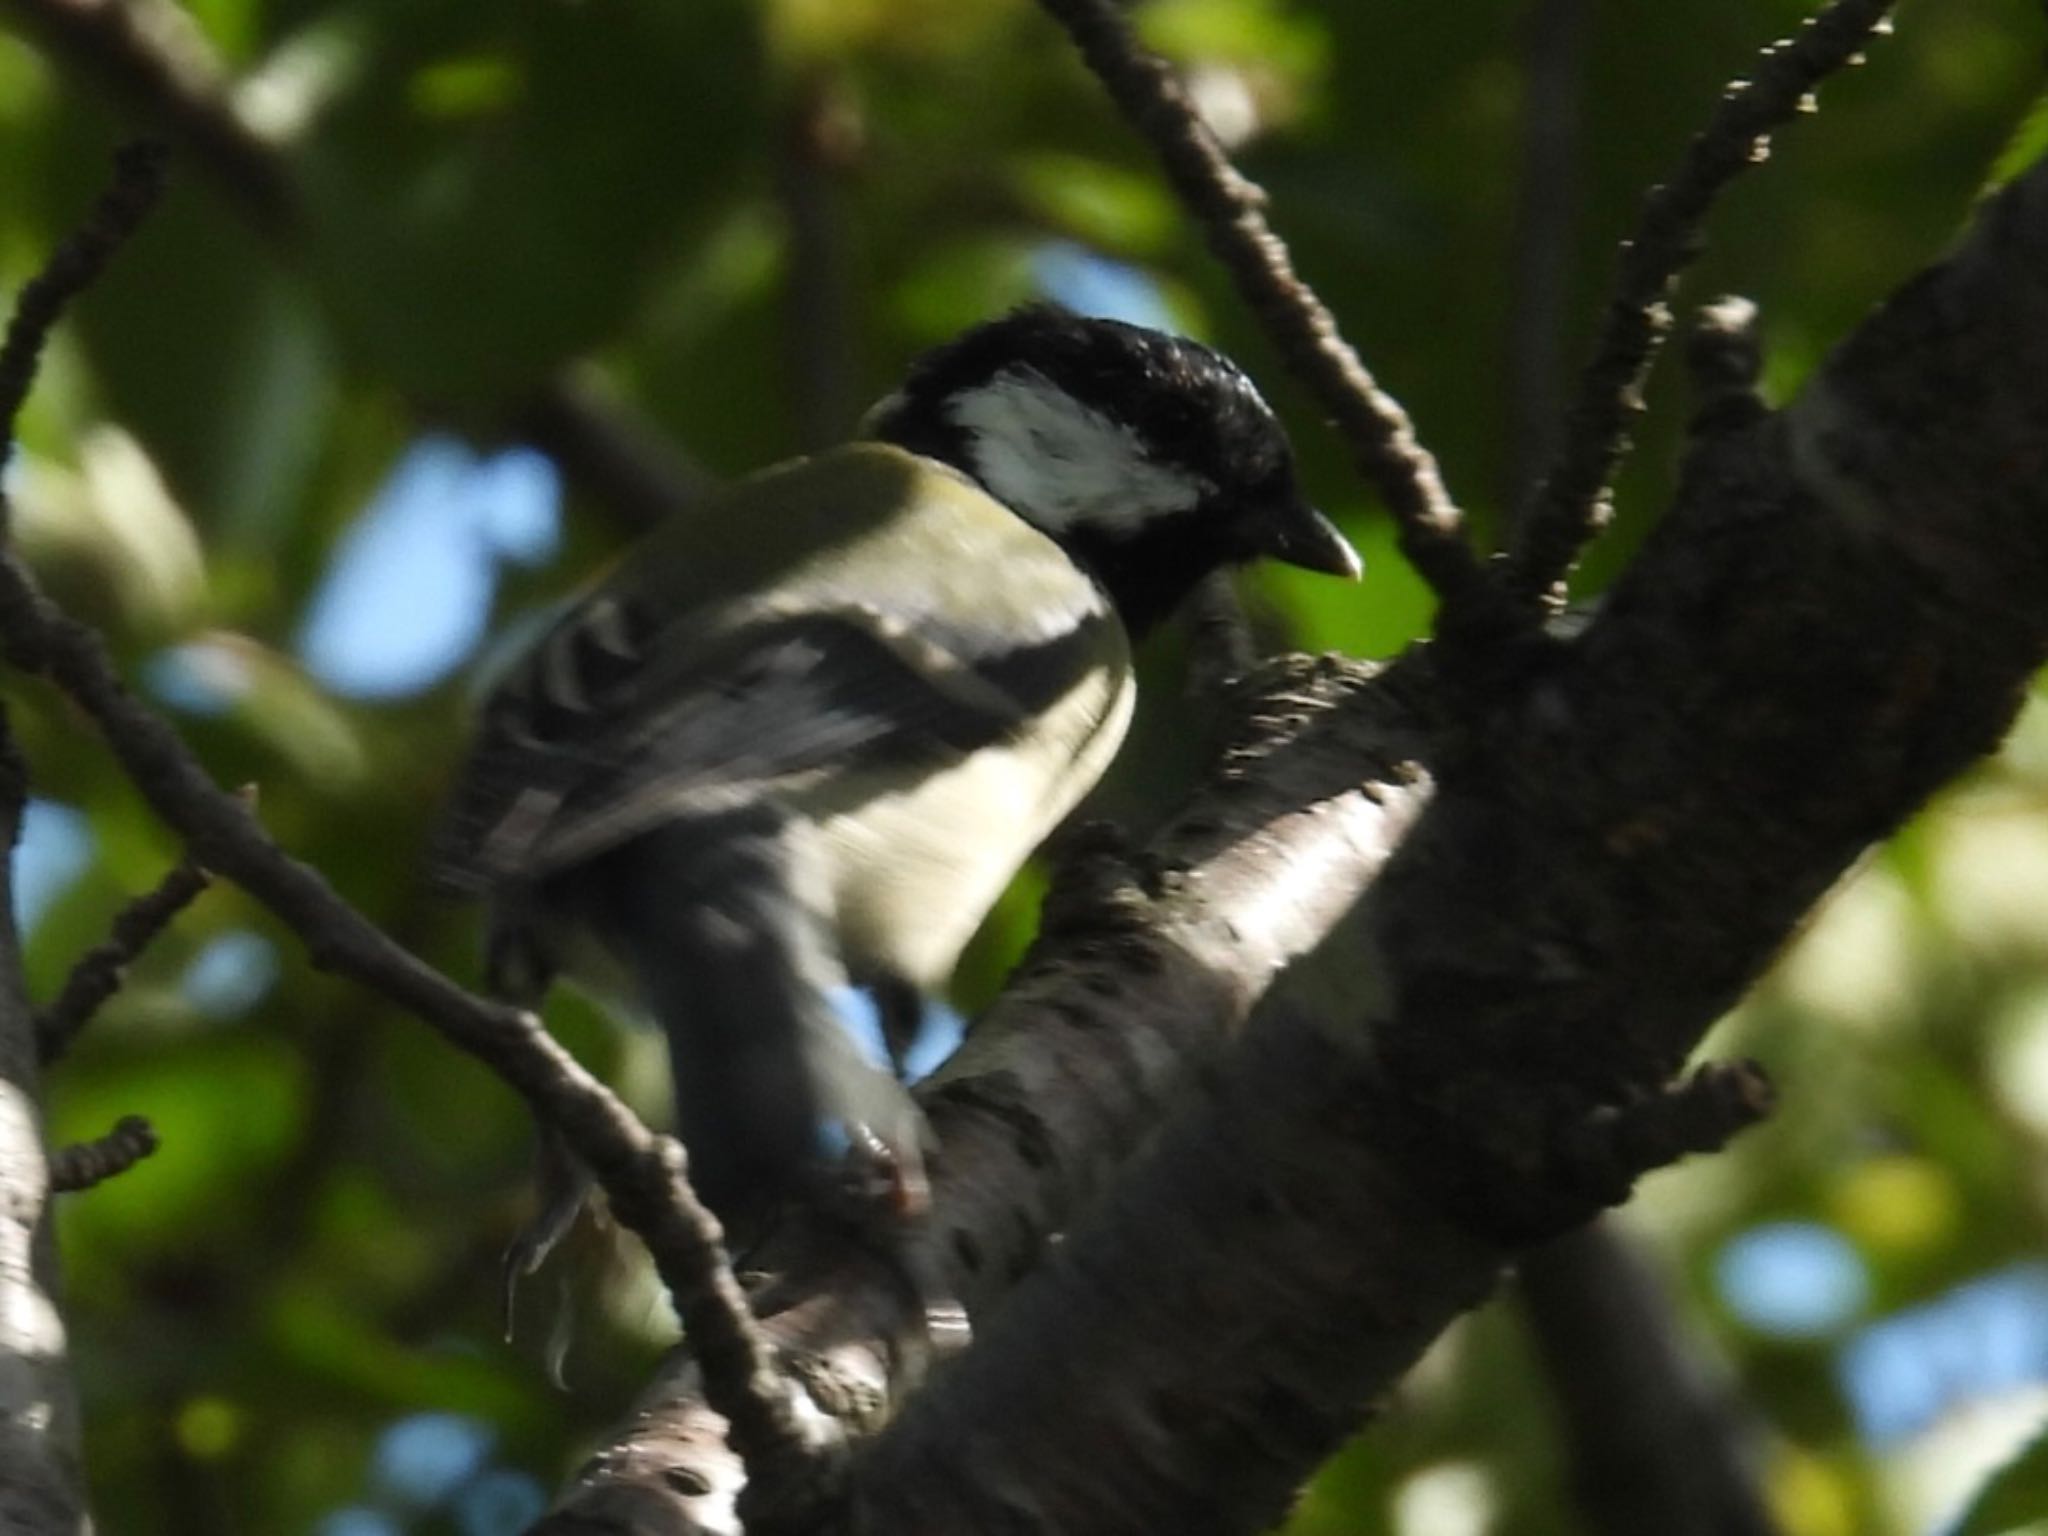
1698,1114
87,1163
1724,357
100,970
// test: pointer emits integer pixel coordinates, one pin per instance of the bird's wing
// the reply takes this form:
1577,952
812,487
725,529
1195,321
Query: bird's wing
615,723
770,704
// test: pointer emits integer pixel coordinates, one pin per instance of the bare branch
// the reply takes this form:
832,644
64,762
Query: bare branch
99,972
1573,503
86,1163
1616,1144
1231,211
1654,1442
138,179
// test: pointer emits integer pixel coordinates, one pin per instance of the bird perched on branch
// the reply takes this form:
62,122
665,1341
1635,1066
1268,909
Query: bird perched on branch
804,734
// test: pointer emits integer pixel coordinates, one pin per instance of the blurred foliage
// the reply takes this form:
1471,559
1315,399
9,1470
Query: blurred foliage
302,1284
2015,1501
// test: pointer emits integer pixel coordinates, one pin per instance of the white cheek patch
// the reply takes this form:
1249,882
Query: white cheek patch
1060,464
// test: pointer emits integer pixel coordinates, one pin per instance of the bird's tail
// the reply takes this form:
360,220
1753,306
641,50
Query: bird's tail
774,1102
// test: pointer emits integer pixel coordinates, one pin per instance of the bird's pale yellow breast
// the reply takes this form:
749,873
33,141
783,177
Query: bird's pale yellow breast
884,847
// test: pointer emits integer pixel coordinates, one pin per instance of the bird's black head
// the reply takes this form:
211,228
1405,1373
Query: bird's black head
1150,458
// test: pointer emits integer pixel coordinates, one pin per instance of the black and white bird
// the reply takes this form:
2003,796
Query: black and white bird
803,735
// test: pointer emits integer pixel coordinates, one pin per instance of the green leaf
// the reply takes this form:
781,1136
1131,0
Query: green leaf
1268,32
2028,143
1124,211
213,355
493,192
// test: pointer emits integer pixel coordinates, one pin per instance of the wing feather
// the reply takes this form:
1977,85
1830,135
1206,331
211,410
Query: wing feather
771,704
888,612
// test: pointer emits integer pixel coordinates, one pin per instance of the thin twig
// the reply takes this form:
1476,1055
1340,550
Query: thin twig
1574,502
138,179
86,1163
1230,209
98,973
641,1172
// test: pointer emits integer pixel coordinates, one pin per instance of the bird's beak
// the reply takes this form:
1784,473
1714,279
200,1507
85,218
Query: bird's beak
1300,535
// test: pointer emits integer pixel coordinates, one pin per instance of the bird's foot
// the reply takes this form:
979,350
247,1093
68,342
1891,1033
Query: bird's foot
563,1187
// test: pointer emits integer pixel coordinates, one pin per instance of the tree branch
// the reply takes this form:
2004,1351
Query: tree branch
1653,1442
86,1163
1649,1444
98,973
1613,852
1572,504
138,181
608,449
1231,210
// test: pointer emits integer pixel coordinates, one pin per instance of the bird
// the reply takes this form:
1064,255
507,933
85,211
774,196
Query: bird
804,733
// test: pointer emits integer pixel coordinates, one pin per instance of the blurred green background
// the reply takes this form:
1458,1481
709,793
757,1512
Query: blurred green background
275,453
